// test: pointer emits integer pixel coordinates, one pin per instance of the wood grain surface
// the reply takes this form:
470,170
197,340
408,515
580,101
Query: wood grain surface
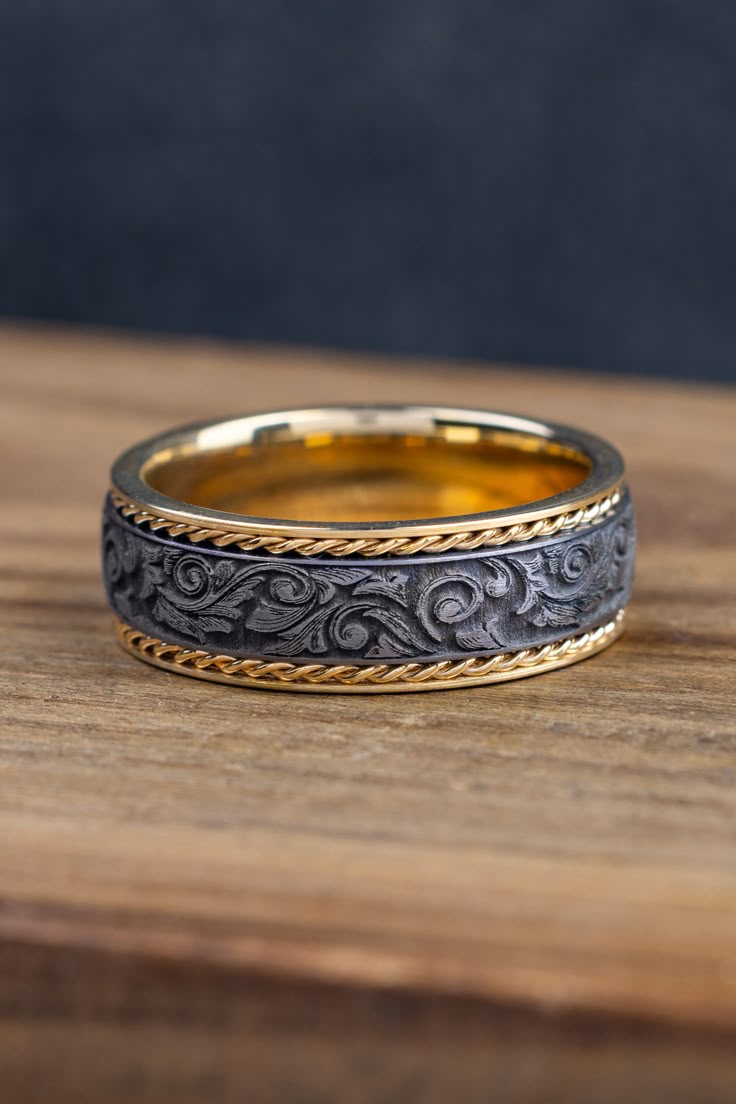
521,892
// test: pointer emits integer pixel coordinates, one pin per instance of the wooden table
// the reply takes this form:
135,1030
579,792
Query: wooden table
525,892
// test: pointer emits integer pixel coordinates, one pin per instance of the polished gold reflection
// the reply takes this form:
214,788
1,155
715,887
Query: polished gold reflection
366,479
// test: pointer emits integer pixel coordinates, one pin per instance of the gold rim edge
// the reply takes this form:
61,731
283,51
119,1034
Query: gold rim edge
377,678
462,540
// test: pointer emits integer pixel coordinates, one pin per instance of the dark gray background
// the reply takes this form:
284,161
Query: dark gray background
539,181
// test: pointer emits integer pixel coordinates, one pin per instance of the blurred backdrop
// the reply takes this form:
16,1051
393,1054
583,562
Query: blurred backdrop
548,182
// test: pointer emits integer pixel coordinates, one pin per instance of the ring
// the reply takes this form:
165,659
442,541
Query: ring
424,548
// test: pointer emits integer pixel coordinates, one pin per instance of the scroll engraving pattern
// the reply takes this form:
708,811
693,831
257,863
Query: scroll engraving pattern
477,604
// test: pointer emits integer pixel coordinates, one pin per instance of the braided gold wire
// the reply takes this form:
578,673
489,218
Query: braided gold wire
461,541
345,677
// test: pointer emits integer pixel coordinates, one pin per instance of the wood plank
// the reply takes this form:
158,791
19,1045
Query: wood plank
99,1026
564,844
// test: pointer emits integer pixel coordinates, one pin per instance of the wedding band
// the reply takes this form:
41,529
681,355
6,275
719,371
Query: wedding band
364,549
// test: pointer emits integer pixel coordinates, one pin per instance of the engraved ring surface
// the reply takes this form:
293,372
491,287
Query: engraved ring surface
365,549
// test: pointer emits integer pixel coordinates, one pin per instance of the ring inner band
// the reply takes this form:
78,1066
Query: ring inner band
342,473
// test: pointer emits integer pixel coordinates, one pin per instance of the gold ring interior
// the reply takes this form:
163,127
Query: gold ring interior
349,476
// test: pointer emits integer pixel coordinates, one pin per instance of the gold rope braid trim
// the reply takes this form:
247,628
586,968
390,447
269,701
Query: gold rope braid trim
281,674
462,541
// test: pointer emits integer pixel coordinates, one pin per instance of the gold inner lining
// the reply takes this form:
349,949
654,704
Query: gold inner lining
351,477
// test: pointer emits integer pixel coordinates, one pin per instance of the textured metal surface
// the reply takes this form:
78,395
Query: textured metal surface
462,540
422,608
368,678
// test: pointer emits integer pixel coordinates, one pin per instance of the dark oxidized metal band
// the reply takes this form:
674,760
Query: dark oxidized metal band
411,623
367,606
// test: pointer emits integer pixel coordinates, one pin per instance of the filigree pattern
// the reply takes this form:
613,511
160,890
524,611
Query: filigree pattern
427,607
